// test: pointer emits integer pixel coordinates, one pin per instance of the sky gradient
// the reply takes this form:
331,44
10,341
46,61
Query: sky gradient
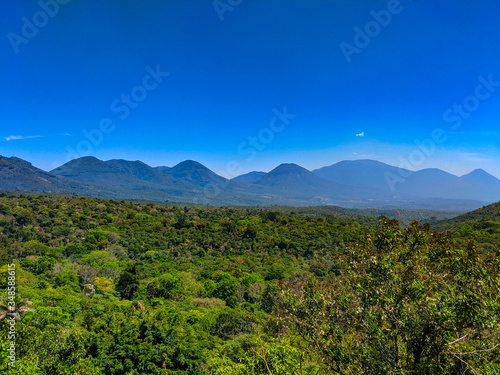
254,84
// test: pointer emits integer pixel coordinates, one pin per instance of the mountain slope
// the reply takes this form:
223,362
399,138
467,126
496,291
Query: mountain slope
88,169
215,187
249,177
291,176
20,175
403,183
93,170
370,174
489,213
294,181
197,174
121,174
144,172
130,179
483,184
162,168
363,184
477,185
432,182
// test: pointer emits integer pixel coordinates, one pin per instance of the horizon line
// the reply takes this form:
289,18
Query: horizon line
326,166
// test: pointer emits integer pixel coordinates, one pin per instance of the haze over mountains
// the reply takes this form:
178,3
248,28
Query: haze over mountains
429,183
357,184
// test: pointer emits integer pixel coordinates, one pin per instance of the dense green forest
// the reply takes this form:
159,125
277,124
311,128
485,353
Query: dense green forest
113,287
482,226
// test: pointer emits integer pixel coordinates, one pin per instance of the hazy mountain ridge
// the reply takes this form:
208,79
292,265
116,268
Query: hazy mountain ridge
195,173
249,177
369,173
19,175
426,183
359,183
294,181
121,174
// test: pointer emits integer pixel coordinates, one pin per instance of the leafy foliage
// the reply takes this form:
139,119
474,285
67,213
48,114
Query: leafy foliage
407,302
121,288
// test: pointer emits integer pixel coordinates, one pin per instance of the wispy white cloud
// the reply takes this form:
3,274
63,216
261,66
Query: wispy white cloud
362,134
19,137
367,156
474,157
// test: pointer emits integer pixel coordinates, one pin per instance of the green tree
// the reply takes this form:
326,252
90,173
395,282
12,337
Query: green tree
128,284
230,324
166,286
407,302
225,288
100,259
67,277
5,250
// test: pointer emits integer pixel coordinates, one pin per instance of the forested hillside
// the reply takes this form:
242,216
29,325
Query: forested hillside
482,226
111,287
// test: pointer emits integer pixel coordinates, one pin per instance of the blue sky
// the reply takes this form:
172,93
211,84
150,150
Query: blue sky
250,85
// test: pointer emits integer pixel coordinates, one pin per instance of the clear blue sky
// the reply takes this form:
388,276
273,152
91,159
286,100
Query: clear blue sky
231,68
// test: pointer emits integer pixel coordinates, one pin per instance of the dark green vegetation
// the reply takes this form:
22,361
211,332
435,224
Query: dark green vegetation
369,215
123,288
482,226
361,215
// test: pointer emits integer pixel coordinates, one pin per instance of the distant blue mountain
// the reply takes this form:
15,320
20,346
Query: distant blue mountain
249,177
162,168
482,184
371,174
133,175
355,183
426,183
195,173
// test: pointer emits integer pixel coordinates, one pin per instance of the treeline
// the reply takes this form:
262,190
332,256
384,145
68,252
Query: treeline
110,287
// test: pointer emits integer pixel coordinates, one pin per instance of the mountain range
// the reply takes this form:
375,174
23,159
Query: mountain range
430,183
355,183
